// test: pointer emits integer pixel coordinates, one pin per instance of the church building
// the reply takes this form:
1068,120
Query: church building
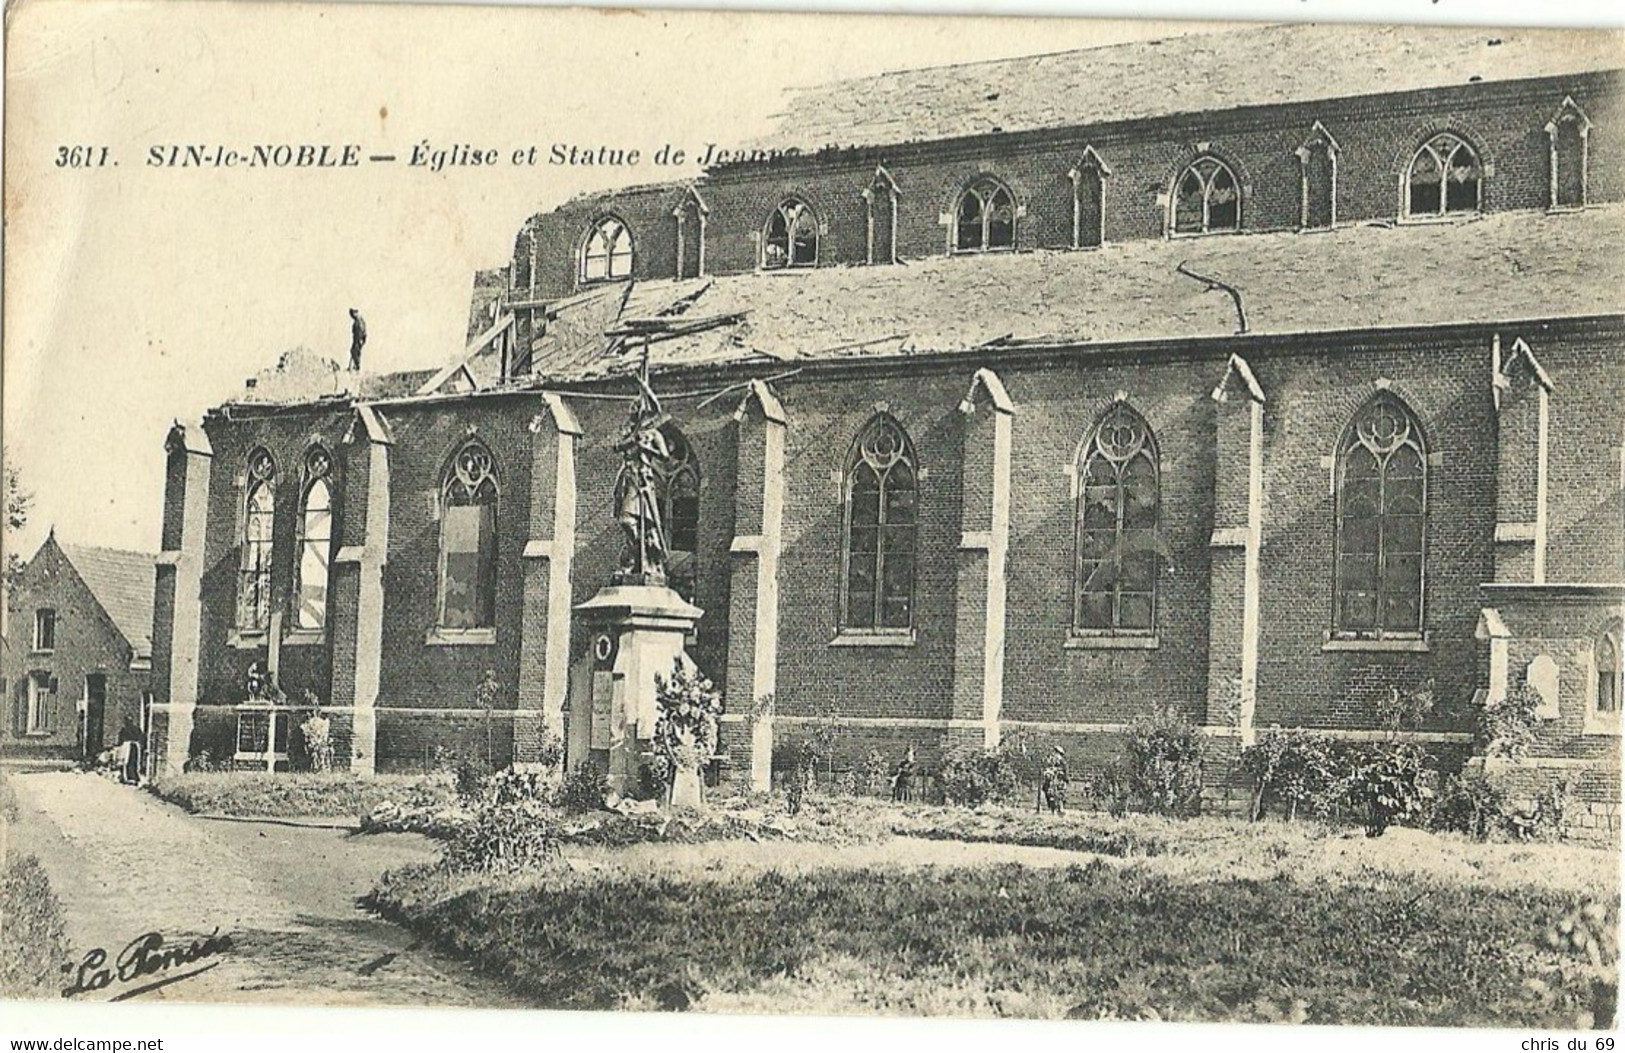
1263,374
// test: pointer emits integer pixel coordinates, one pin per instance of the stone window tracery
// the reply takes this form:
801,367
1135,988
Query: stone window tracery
1444,177
606,255
881,514
1117,540
985,218
1381,523
259,527
1206,199
468,517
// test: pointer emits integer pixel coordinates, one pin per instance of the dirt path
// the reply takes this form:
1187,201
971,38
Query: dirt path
124,863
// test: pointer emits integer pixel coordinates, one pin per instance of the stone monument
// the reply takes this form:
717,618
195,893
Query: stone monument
636,625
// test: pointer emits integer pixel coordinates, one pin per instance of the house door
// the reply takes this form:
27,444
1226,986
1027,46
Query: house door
95,714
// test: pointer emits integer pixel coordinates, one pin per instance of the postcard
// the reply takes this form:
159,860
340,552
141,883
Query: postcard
813,514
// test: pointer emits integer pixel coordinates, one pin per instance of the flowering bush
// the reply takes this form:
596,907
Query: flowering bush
318,733
687,729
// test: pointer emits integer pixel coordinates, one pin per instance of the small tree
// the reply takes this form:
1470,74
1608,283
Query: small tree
19,503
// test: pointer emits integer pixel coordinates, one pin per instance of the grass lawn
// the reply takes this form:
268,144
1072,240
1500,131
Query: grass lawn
295,794
977,914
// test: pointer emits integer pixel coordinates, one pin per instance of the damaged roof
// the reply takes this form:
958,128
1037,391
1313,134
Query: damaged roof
1200,72
122,583
1507,266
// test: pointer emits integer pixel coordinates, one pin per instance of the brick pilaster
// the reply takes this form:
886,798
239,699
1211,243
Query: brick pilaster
544,640
1238,535
979,610
358,584
1522,399
179,584
753,615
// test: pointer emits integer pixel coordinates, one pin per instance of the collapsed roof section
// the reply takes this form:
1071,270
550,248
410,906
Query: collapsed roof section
1500,267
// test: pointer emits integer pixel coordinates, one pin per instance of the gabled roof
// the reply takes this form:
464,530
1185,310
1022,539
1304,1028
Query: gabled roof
1503,267
122,583
1199,72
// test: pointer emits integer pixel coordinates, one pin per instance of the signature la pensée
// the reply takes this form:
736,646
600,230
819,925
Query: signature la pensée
146,955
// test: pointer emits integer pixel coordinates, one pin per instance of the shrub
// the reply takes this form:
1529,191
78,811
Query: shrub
972,776
583,790
33,947
317,731
1469,804
1506,726
1028,755
1389,783
549,749
513,787
469,777
876,775
1296,770
1165,761
501,837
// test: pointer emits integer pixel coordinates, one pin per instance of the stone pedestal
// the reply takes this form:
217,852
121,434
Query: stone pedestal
634,632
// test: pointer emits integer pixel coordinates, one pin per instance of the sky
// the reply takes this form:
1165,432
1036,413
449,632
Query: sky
138,295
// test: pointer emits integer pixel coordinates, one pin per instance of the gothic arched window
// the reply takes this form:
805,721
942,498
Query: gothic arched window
315,542
881,497
1570,132
1609,684
1444,177
468,539
1381,522
259,527
607,252
1117,527
985,218
677,477
790,238
1206,199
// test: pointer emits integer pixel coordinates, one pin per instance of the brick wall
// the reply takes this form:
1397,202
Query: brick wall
1377,136
905,694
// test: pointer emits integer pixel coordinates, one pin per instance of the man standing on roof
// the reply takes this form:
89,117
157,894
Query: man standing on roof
358,338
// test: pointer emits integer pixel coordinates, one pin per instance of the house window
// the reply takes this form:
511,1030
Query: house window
1381,523
45,629
259,522
607,252
985,218
1444,177
41,705
677,477
315,541
881,497
1117,520
468,519
1207,199
790,238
